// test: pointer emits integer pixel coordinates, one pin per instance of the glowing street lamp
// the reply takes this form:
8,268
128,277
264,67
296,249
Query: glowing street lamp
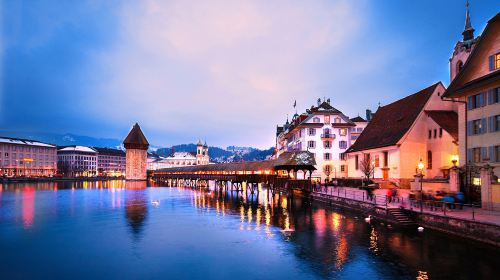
420,167
454,160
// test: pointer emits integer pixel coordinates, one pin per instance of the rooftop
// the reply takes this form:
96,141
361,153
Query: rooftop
391,122
18,141
136,139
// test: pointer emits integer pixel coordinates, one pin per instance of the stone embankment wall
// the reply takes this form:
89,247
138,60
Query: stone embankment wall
479,231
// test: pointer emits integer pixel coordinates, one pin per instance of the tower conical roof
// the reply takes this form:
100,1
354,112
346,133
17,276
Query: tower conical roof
136,139
468,30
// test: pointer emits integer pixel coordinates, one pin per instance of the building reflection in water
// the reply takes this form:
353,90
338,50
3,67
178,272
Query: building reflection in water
28,206
136,208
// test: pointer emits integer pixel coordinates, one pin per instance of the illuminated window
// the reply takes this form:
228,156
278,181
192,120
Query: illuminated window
327,119
337,120
497,61
342,168
342,132
377,161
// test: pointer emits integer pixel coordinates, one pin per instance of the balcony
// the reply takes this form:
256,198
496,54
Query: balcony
327,136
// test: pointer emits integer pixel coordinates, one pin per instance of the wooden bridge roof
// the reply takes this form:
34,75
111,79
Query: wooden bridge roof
301,160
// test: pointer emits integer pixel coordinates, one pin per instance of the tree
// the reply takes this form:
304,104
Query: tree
366,166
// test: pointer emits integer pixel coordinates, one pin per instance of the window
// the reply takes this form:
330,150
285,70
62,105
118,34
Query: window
377,161
311,144
326,156
356,162
476,101
493,95
460,64
440,132
494,123
429,159
337,120
476,127
343,144
342,168
315,120
327,169
342,156
342,132
497,61
386,159
476,155
326,132
359,129
327,119
430,133
435,133
327,144
497,153
312,131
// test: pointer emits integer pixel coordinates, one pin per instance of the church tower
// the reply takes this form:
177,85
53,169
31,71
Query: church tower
136,146
463,48
199,153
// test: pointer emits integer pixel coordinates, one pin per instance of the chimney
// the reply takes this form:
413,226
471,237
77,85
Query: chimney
368,114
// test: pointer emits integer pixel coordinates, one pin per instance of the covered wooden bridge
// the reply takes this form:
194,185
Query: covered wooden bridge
279,174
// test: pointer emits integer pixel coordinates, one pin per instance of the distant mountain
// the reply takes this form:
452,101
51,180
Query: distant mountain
217,154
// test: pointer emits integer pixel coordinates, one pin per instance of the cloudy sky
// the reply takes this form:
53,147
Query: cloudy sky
223,70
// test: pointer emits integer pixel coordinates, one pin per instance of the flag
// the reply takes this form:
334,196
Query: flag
295,104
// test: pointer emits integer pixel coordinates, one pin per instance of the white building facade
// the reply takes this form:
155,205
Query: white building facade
176,159
323,131
77,161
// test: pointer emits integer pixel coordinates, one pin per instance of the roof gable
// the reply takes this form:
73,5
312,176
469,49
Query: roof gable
448,120
393,121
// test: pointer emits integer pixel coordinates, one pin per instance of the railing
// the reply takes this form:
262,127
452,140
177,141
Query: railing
328,136
457,210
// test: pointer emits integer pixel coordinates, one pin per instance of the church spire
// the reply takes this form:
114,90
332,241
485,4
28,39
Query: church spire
468,30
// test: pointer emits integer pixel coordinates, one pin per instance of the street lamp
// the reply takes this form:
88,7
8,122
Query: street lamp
420,167
454,160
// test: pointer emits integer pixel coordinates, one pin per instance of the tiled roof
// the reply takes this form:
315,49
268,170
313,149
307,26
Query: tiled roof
109,151
136,139
358,119
448,120
302,159
18,141
391,122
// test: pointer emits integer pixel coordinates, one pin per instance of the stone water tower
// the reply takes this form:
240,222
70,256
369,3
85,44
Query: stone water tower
136,145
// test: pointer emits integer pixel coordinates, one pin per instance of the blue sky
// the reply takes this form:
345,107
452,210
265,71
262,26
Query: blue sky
225,71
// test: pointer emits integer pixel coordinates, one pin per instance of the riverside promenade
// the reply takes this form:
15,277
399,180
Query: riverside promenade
402,200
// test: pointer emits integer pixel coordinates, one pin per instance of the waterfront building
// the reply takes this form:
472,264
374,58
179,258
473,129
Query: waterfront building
77,161
21,157
136,146
198,157
360,126
322,130
419,127
475,85
110,162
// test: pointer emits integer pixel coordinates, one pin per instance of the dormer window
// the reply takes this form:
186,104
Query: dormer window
337,120
316,120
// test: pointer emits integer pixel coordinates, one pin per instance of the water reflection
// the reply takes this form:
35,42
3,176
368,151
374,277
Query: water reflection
330,243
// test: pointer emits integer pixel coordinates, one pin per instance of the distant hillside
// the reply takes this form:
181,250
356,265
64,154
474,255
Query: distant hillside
230,154
217,154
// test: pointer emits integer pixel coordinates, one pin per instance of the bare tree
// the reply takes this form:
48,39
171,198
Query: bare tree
366,166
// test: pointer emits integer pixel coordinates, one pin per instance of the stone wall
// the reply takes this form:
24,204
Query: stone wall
136,164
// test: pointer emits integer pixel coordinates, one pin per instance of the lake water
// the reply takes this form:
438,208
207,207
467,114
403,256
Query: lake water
108,230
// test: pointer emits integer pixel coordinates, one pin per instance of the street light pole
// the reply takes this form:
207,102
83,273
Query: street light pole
420,167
